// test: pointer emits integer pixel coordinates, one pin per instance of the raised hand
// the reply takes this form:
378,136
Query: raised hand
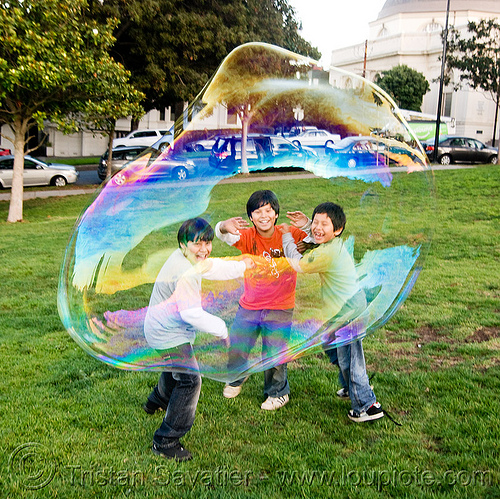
297,218
233,225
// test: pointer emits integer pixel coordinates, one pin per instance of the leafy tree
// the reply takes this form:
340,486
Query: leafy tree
173,47
476,55
405,85
53,61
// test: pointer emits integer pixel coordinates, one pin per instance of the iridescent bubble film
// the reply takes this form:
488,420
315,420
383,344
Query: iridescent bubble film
268,119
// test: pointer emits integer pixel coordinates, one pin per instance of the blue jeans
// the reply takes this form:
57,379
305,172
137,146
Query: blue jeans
352,375
178,394
274,326
351,359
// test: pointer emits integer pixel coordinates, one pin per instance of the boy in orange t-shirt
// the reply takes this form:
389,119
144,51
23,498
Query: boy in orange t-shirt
266,306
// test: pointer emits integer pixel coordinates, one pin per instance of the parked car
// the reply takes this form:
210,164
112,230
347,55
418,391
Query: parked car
461,149
316,138
170,167
37,172
4,152
121,156
285,153
200,145
142,138
351,152
226,151
296,130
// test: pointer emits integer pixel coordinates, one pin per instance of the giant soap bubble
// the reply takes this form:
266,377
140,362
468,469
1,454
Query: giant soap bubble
306,134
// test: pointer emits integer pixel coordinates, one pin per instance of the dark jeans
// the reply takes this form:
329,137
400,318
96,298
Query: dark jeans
178,394
274,326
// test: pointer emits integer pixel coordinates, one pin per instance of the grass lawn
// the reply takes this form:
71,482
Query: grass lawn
437,371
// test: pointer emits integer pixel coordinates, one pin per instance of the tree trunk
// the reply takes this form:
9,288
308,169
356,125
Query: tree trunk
244,134
109,164
16,194
134,124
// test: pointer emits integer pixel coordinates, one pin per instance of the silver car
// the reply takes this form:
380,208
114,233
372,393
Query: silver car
37,172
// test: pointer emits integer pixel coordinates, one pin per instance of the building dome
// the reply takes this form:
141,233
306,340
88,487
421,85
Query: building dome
392,7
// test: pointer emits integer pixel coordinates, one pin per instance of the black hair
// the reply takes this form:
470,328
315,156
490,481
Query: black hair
195,229
334,212
261,198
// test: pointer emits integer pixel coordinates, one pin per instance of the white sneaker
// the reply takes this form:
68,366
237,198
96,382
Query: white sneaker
231,391
343,394
273,403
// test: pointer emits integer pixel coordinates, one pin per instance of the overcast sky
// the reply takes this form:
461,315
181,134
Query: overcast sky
333,24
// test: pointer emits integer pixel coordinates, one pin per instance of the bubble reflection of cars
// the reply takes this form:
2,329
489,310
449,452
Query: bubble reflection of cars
200,145
287,154
226,152
166,166
316,138
121,156
37,172
351,152
263,151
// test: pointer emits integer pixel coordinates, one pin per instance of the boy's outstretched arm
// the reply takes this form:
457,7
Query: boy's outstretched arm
299,220
233,225
228,231
290,247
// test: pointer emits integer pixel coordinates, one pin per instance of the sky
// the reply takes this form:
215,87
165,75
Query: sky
333,24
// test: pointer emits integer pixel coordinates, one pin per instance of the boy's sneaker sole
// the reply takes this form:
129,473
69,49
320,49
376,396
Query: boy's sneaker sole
371,414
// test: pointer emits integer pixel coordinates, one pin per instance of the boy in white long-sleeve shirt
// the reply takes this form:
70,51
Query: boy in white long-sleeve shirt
173,317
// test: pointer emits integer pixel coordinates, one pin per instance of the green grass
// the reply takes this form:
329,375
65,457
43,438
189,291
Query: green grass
436,363
86,160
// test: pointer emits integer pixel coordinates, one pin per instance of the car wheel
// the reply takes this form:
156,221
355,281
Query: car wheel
198,148
180,173
59,181
296,143
445,159
352,163
164,146
493,159
329,143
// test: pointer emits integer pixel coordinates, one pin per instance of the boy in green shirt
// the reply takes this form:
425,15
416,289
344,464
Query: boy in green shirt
341,296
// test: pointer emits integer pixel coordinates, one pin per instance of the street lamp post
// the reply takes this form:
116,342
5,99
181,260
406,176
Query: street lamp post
441,83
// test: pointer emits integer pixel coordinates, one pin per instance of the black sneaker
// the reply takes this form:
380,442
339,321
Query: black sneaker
177,452
371,414
151,407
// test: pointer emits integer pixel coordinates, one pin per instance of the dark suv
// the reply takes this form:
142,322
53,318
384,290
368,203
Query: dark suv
226,152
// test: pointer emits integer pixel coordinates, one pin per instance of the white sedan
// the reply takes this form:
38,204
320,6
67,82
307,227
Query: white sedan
316,138
37,172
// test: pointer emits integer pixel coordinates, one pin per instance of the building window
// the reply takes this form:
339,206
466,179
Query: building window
383,32
447,104
162,114
433,27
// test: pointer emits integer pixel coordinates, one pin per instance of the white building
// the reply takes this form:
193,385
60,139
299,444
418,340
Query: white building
409,32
